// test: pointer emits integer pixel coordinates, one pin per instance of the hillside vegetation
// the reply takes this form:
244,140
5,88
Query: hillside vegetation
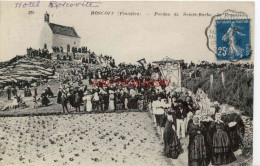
237,89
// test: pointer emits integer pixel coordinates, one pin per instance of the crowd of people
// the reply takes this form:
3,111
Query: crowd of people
207,65
83,54
109,95
43,53
215,132
16,100
80,49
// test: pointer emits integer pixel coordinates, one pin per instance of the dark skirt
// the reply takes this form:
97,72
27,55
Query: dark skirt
208,140
201,162
45,101
158,118
172,151
174,120
163,120
172,145
221,149
197,151
234,138
223,158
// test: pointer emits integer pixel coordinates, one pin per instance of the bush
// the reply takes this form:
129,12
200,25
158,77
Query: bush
237,91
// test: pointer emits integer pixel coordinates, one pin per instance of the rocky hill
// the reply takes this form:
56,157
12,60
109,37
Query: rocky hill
24,69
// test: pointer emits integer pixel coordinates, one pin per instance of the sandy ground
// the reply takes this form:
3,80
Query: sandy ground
100,139
85,139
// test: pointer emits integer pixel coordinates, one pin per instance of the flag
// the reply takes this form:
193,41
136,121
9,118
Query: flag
142,62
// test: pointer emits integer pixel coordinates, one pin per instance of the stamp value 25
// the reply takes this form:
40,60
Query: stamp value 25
233,39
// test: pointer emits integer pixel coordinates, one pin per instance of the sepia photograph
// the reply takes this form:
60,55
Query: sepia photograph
126,83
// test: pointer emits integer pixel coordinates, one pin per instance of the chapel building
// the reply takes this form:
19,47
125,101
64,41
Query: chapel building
54,35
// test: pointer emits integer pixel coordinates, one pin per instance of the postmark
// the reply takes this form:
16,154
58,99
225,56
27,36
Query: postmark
228,36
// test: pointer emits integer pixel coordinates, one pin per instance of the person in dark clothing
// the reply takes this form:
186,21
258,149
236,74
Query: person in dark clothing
45,100
64,101
188,105
181,118
49,92
81,94
25,91
85,88
174,107
172,145
59,96
197,154
35,91
14,91
221,145
9,93
77,102
236,128
106,99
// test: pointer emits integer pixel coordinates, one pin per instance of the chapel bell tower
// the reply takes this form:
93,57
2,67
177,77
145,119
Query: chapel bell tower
46,18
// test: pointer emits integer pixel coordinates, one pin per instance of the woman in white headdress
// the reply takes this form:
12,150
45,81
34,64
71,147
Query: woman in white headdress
111,105
87,101
126,97
99,74
197,155
221,145
189,117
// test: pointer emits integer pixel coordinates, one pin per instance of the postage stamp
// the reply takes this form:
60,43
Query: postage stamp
228,36
233,39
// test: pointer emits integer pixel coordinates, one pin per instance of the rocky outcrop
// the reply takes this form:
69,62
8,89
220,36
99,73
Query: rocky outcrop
26,69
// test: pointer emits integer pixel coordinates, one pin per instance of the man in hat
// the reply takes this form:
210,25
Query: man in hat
158,112
181,118
25,92
102,98
35,91
133,99
117,98
64,100
188,107
96,99
77,102
14,91
59,95
9,93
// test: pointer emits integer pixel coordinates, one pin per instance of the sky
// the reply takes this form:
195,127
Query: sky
125,38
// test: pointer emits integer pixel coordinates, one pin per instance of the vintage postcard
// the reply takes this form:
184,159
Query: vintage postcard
126,83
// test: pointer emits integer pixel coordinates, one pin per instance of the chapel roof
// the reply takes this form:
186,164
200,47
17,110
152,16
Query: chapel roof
63,30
